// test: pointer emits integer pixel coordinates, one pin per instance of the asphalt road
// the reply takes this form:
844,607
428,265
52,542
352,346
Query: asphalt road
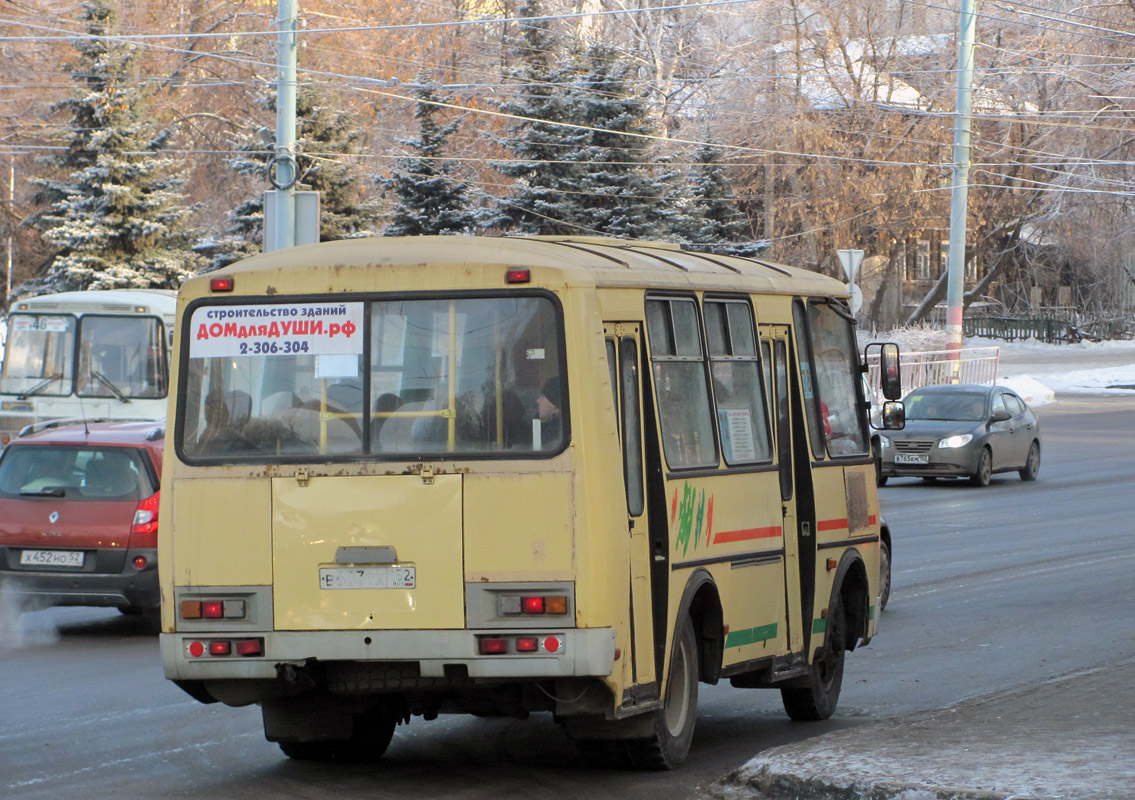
993,588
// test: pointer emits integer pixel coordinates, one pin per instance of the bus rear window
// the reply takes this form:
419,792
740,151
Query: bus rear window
464,377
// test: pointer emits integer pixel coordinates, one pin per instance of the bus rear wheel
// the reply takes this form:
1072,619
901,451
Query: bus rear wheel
369,740
674,721
818,699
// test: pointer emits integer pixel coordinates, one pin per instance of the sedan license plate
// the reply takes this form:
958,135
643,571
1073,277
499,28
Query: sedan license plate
367,577
52,558
912,458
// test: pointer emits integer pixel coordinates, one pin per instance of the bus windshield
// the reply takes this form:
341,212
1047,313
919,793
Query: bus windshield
393,378
121,357
38,355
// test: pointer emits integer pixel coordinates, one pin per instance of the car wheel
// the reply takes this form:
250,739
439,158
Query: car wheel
984,472
818,699
1032,464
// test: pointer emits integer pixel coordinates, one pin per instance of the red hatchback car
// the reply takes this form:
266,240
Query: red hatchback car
79,517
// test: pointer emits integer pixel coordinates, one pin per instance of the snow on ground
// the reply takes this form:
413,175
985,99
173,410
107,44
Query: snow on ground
1039,371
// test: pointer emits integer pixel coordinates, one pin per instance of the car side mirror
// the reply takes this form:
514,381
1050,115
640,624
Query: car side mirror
1000,416
894,415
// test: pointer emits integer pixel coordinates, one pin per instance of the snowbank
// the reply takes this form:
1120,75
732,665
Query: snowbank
1030,389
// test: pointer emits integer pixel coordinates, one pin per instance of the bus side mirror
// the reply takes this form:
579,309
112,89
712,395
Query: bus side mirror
890,371
894,415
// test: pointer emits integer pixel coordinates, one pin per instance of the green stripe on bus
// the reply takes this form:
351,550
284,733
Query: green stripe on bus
819,625
751,636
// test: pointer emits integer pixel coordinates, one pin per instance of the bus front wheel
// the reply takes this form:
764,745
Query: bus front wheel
673,727
818,698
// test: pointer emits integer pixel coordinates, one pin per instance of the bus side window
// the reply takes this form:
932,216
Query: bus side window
680,382
631,425
741,420
836,374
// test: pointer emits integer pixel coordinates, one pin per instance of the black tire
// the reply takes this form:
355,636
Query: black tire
372,734
884,574
1032,465
819,698
984,472
308,751
674,721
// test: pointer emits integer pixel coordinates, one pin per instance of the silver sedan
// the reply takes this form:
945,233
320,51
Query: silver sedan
963,430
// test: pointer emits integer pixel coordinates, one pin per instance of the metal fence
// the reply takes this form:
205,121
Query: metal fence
978,365
1049,328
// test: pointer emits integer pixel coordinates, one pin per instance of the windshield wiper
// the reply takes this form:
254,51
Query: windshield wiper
39,387
50,491
114,390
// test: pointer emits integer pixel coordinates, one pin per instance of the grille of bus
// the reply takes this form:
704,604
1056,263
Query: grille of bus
11,425
914,446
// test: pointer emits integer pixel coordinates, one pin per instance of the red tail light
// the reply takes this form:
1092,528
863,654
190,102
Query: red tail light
145,525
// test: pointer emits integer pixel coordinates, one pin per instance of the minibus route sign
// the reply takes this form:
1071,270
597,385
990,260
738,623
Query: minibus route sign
289,329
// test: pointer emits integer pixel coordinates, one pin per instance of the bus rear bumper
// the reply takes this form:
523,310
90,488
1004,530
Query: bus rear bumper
575,652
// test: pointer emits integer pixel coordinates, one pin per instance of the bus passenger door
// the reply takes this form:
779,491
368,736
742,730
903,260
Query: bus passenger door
624,346
776,343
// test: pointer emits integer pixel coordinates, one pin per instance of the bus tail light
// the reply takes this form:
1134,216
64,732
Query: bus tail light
213,609
196,648
524,643
513,604
518,276
492,645
220,284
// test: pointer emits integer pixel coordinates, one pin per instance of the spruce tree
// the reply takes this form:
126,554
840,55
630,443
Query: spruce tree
430,200
325,140
620,192
117,214
543,197
712,222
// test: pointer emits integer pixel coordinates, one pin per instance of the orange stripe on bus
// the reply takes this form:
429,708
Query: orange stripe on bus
748,534
831,525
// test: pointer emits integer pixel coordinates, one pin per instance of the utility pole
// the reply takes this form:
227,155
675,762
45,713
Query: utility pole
11,222
283,168
959,193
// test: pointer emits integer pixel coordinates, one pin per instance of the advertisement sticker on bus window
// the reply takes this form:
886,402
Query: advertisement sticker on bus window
50,324
305,329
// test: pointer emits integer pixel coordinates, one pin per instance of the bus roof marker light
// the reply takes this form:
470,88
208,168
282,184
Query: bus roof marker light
518,276
220,284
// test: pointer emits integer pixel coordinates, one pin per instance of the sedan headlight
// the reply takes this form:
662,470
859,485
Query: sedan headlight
955,441
884,442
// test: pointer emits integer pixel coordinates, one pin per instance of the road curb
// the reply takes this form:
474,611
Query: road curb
1065,737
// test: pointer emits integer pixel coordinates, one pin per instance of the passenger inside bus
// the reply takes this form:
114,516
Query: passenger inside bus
548,425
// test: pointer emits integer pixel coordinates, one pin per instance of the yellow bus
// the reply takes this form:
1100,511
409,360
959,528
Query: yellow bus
412,476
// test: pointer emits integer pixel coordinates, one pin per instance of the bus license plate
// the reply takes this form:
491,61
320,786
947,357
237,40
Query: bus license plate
367,577
52,558
912,458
